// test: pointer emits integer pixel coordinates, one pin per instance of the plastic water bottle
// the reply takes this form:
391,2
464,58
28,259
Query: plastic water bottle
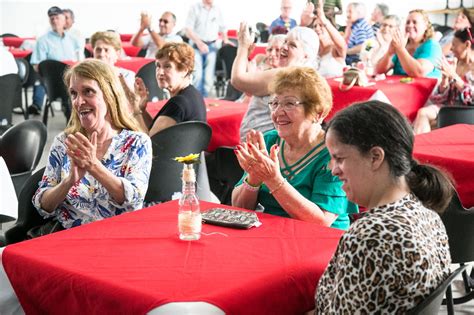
189,217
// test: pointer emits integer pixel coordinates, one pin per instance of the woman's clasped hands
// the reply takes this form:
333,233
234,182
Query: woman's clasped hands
254,159
82,153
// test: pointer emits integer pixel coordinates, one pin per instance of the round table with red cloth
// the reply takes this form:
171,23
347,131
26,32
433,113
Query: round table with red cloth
406,97
20,53
134,263
224,117
258,50
14,41
133,63
452,149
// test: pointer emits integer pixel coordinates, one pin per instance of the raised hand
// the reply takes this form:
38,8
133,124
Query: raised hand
307,14
245,38
145,20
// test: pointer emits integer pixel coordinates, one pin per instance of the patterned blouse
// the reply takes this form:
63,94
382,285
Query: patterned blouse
128,157
452,96
387,263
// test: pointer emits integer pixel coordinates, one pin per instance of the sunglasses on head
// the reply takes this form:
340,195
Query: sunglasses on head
164,21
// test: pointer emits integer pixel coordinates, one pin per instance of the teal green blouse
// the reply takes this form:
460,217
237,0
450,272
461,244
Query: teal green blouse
312,178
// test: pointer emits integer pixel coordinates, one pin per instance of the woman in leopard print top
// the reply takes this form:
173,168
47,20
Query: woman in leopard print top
397,254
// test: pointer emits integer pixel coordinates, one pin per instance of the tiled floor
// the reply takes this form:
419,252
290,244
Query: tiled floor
57,124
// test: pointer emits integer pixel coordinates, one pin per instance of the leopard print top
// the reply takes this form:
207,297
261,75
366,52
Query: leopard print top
387,262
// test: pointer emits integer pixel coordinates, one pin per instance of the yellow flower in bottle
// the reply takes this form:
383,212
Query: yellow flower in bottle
188,159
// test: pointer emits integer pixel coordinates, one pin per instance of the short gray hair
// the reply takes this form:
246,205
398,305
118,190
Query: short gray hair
310,41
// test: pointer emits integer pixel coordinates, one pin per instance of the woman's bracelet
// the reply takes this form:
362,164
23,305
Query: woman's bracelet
279,186
249,187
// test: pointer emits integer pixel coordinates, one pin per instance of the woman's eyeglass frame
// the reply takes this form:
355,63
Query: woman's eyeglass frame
286,104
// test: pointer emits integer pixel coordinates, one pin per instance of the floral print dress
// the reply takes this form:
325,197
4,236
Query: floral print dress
128,157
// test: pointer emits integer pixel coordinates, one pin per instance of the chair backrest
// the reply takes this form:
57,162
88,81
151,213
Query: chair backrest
431,304
178,140
231,93
451,115
22,145
224,172
8,35
459,224
225,59
10,96
23,69
147,74
28,216
51,73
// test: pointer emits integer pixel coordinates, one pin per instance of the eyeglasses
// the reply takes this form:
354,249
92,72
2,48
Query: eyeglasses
164,21
287,104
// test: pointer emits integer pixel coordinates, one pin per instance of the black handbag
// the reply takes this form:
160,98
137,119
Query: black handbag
231,218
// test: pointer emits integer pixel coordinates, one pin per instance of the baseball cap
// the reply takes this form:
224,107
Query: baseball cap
54,11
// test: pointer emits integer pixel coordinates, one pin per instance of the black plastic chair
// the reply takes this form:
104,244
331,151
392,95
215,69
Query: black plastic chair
178,140
231,93
28,216
10,91
431,304
51,73
224,61
24,73
8,35
459,223
451,115
21,147
224,172
262,30
148,74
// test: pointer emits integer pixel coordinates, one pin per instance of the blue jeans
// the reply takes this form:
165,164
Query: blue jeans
38,95
204,68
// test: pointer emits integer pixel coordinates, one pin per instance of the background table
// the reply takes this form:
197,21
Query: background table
135,262
133,63
224,117
14,41
451,148
407,97
20,53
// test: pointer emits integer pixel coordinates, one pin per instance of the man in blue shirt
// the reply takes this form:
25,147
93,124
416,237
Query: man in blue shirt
284,20
56,44
358,30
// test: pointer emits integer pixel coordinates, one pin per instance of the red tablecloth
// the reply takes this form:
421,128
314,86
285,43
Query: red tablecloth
451,148
257,50
133,63
20,53
224,117
135,262
407,97
126,37
128,48
14,41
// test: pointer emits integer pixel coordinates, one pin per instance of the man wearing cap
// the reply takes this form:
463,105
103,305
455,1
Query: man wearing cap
203,25
56,44
155,40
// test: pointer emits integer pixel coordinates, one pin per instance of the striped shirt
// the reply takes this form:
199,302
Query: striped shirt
360,32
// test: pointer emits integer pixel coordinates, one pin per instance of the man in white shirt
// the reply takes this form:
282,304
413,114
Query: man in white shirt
203,25
155,40
70,20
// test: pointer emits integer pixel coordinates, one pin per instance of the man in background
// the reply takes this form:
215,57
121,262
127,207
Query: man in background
56,44
203,25
358,30
378,14
155,40
70,20
284,20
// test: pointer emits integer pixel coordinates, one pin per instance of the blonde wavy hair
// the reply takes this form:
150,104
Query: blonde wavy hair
114,95
314,89
429,33
110,38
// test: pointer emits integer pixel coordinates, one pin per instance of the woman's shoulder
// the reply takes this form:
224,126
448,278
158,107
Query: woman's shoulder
127,134
271,137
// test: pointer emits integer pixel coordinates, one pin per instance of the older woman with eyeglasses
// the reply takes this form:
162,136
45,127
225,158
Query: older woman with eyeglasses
286,169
